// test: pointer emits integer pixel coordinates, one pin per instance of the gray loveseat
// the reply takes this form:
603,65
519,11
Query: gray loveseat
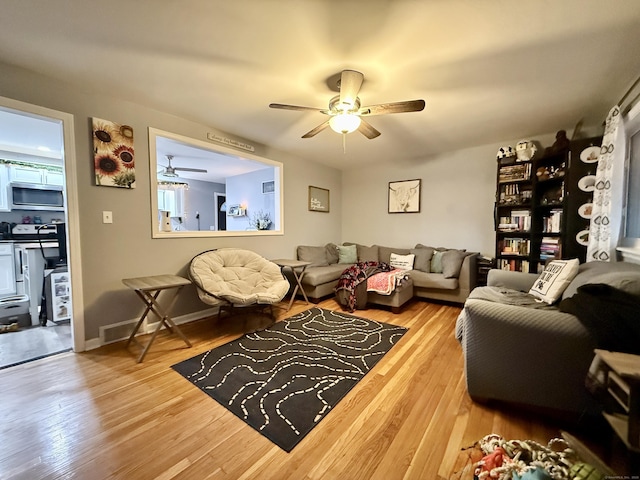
536,356
453,280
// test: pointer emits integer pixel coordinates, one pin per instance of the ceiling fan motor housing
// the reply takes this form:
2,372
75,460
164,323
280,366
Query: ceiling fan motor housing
336,108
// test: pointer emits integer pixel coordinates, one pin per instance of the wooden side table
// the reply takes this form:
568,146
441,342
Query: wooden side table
148,289
297,268
622,381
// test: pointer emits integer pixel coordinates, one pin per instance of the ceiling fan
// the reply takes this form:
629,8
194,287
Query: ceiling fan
170,171
346,111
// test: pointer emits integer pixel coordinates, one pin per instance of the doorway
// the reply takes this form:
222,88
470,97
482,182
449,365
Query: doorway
220,200
22,139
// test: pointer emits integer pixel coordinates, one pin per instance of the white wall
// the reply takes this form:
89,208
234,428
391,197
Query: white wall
246,189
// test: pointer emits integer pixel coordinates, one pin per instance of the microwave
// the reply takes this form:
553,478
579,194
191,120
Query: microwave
34,196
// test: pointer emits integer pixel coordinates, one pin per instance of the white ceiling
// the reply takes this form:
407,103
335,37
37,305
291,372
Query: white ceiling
489,70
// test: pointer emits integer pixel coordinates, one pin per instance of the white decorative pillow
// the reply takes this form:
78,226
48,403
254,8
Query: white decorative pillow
403,262
555,278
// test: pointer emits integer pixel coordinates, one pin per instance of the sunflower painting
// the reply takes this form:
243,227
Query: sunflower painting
113,158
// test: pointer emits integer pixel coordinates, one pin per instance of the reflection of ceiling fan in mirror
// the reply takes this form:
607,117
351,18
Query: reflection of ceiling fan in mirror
170,171
345,110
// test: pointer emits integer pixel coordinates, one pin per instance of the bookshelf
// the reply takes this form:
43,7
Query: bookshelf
543,206
550,197
513,214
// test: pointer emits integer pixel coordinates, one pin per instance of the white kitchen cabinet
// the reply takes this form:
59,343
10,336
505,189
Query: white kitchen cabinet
171,200
53,178
7,270
4,189
24,174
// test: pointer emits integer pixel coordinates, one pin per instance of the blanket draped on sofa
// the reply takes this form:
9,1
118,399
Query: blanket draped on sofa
352,284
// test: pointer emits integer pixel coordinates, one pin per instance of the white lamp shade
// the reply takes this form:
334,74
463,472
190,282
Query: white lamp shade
344,123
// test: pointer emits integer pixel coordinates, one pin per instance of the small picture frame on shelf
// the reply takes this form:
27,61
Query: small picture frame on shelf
318,199
404,196
235,211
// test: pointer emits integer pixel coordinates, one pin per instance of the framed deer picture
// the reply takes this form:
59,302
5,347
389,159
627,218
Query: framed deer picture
404,196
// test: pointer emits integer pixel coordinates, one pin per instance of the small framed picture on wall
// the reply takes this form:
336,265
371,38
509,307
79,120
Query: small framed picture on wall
404,196
318,199
268,187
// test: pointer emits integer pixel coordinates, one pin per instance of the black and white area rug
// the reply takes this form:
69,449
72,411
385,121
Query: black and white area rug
285,379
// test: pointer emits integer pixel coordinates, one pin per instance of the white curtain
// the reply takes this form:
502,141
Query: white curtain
604,228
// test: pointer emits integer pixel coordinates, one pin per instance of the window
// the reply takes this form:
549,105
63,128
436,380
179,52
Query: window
171,198
630,244
188,176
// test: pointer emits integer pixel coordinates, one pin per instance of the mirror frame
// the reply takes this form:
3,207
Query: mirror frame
220,149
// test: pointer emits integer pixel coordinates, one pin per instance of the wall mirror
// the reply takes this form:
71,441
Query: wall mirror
200,189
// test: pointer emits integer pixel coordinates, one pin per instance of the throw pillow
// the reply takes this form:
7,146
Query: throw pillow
403,262
423,259
347,254
332,253
554,280
316,255
436,261
452,263
367,254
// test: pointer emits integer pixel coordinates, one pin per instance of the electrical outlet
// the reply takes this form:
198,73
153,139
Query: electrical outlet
107,217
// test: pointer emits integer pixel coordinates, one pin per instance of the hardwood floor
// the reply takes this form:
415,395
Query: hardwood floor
99,414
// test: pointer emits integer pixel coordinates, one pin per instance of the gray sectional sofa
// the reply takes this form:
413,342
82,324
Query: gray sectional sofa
539,355
454,276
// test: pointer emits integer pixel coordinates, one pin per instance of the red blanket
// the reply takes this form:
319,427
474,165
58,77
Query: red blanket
385,282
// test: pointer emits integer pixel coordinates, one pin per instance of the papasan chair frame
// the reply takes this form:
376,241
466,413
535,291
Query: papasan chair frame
232,278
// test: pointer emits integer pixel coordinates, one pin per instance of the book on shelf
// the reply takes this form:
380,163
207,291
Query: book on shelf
553,223
514,173
515,246
513,265
514,194
550,248
518,221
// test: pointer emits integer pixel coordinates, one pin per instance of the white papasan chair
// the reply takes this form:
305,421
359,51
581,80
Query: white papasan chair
233,277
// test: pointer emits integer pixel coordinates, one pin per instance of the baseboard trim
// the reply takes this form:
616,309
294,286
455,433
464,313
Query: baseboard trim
116,332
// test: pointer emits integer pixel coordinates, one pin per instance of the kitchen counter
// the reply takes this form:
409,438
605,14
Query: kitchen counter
32,244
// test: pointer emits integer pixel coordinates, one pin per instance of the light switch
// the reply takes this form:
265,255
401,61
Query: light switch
107,217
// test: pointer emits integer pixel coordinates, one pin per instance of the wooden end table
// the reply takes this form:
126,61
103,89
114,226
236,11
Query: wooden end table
622,382
148,289
297,268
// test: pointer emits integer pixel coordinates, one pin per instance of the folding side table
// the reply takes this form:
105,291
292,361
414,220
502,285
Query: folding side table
297,268
148,289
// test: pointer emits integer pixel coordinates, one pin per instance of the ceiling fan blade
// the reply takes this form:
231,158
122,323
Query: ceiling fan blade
397,107
283,106
316,130
185,169
367,130
350,83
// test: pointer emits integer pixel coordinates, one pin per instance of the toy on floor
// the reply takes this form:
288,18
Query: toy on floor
13,327
530,460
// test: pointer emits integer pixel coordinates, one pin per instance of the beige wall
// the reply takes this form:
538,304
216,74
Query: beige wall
456,208
458,193
125,248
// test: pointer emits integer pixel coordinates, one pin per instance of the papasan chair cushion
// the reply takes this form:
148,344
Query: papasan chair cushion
238,277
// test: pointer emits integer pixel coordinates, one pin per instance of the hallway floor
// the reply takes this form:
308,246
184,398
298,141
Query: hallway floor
30,343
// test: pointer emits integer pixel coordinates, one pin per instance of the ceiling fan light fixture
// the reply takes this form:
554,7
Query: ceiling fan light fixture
344,123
